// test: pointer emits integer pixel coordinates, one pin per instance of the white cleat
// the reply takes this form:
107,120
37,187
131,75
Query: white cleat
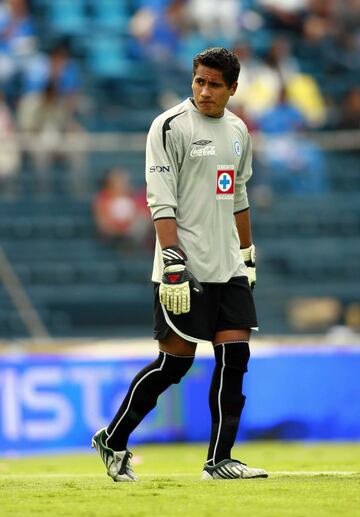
117,463
231,469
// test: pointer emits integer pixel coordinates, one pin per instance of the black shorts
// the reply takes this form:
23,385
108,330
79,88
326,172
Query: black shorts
227,306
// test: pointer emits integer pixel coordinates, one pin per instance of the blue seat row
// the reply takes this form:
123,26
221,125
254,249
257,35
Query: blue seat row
72,17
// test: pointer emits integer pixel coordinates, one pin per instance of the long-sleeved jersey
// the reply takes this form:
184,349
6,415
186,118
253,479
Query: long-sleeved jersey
196,171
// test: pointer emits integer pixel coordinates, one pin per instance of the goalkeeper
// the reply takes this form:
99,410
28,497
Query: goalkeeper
198,160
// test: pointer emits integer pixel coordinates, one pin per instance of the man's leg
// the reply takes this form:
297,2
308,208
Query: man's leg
175,358
226,400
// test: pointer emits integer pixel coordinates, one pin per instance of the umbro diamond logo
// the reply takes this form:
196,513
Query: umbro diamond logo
202,142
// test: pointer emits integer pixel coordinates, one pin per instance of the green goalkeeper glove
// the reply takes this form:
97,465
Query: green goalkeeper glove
177,281
249,259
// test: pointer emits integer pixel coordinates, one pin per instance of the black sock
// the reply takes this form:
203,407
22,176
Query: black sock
225,397
142,396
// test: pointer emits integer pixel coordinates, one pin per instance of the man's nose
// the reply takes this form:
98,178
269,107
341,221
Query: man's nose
205,92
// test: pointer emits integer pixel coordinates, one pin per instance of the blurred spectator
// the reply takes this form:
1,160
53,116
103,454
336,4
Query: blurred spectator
316,39
261,82
63,70
284,14
120,215
289,162
282,118
258,85
304,93
9,151
58,67
49,117
158,32
349,117
17,43
280,59
216,20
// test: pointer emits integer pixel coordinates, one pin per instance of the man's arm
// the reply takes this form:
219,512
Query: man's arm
243,225
166,231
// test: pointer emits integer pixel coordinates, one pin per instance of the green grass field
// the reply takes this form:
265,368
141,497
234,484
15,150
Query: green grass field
305,480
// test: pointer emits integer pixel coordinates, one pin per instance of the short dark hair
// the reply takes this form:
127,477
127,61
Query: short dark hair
221,59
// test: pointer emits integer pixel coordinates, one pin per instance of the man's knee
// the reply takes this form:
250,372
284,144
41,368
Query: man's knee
234,355
176,366
226,397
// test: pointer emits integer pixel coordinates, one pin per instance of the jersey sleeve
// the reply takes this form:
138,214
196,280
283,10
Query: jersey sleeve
243,174
161,170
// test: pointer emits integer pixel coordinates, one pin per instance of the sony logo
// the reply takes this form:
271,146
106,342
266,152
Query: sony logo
160,168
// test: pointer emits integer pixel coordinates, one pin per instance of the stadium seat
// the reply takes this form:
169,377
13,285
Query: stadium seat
106,56
67,16
191,44
109,14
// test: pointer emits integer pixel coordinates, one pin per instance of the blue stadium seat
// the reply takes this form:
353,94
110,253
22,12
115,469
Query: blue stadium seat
110,14
191,44
67,16
107,56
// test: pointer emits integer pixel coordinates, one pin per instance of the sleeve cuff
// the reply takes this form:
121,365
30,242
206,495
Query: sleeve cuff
241,210
162,212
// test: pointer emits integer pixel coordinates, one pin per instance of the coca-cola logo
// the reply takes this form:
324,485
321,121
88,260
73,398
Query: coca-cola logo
208,150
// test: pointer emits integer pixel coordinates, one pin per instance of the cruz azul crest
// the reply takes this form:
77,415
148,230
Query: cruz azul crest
225,182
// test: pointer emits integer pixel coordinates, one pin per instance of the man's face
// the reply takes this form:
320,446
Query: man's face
211,93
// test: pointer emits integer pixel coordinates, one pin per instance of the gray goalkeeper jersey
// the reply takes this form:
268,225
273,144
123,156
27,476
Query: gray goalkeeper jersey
196,171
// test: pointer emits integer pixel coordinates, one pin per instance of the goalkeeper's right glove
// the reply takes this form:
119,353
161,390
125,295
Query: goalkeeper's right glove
249,259
177,281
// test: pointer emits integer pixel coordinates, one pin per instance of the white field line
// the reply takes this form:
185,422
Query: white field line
311,473
275,474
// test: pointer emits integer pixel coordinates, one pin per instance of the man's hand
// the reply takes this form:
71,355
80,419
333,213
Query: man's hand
249,259
177,281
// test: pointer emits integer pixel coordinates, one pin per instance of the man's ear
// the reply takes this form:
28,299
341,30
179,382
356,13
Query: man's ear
233,88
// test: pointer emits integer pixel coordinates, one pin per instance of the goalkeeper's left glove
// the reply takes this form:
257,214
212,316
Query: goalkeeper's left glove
177,281
249,259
